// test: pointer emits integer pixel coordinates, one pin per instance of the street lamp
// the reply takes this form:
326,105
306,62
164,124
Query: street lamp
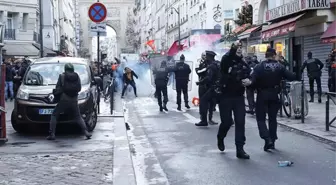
179,24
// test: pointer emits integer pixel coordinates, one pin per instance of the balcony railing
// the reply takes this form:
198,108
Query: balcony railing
36,37
10,34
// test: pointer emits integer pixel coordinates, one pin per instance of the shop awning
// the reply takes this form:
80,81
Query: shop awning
20,49
247,33
329,36
241,28
46,51
280,28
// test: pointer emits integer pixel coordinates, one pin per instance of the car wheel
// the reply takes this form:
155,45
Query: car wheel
17,127
92,122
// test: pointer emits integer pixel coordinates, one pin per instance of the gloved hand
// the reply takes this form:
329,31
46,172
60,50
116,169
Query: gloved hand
246,82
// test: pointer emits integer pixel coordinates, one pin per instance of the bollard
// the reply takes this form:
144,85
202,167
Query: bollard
302,102
112,96
3,134
327,113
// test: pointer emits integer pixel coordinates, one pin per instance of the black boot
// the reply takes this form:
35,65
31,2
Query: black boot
51,137
161,109
241,154
220,144
187,106
179,107
201,124
87,134
268,145
311,98
212,122
319,99
165,107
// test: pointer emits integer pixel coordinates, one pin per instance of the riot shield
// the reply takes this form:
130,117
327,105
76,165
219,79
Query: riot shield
191,65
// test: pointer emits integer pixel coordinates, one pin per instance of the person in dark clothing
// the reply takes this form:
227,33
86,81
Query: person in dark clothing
328,64
182,72
234,71
206,88
70,85
266,78
23,68
250,90
10,73
128,79
314,67
161,82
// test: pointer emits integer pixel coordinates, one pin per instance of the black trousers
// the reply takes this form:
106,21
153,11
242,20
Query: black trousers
66,107
332,84
235,104
206,102
267,103
311,86
132,83
250,98
181,87
161,90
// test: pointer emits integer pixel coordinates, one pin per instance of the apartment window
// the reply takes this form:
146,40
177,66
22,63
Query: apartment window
191,3
200,8
24,21
194,1
203,5
10,21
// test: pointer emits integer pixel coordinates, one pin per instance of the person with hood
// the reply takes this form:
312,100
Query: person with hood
314,72
266,78
207,88
24,67
182,72
233,72
161,81
67,88
128,79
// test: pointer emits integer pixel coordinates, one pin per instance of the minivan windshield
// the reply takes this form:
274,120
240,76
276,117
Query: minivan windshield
47,73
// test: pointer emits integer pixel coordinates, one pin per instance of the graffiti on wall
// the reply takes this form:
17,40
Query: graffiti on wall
217,16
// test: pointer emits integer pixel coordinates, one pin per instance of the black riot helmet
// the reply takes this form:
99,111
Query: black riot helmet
182,58
163,64
210,55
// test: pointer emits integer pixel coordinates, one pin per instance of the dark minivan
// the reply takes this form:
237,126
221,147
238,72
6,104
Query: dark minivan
34,100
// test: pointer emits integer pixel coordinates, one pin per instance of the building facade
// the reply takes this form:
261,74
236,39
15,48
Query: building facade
67,27
20,20
51,27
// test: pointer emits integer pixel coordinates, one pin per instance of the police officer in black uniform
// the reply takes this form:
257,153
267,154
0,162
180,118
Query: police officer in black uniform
206,87
161,82
266,78
182,72
250,90
233,71
314,67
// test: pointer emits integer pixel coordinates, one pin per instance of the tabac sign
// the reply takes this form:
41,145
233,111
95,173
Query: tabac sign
296,6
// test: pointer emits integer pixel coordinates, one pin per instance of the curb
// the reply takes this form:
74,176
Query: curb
123,171
309,134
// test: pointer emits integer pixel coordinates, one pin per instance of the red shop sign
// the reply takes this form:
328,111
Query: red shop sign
282,30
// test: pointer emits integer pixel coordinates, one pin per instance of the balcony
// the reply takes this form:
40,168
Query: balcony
36,37
10,34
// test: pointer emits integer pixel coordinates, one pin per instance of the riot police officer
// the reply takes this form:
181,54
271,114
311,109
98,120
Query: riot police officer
233,71
161,82
182,72
206,88
266,78
249,90
314,67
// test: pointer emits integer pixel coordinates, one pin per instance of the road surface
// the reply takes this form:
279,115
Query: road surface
168,149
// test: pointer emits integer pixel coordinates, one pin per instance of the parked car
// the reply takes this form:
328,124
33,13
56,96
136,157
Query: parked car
34,105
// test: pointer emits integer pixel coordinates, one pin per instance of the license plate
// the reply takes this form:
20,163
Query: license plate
46,111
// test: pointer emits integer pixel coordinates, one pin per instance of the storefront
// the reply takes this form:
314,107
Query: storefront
252,45
329,36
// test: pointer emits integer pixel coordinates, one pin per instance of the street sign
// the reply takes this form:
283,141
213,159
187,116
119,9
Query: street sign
98,27
97,12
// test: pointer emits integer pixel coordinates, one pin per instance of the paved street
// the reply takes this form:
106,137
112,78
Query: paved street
168,149
70,160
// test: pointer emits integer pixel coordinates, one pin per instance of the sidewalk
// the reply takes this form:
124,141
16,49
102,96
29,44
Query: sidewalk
314,123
